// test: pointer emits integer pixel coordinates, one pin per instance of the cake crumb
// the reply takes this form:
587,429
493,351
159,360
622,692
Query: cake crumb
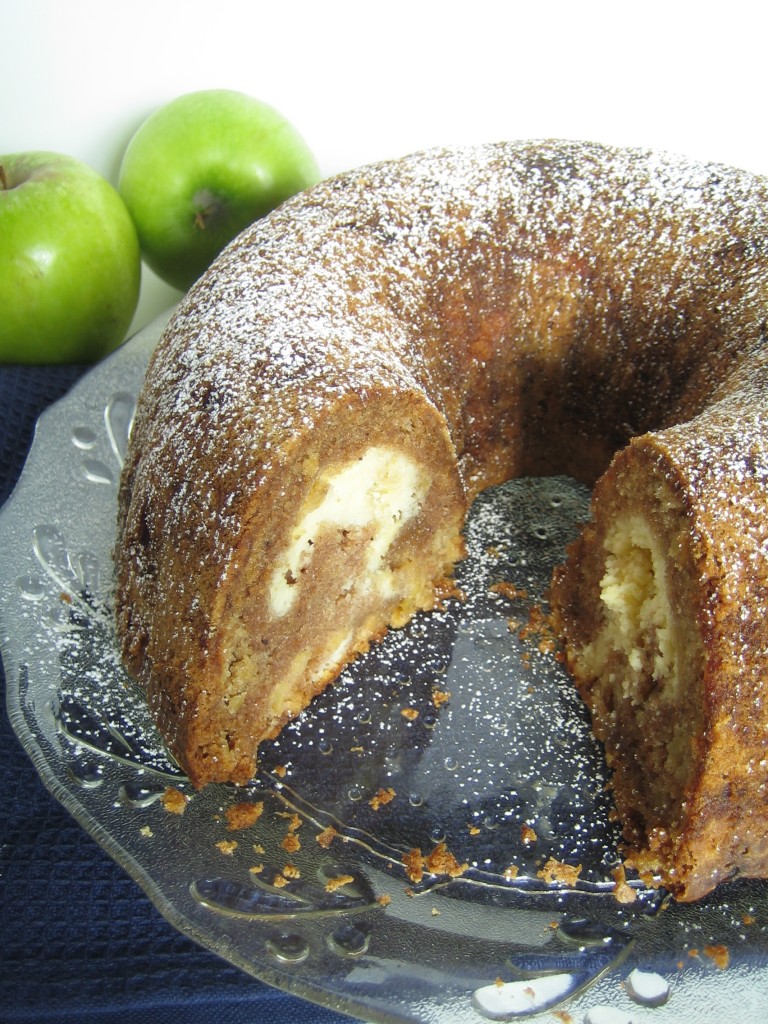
294,823
622,891
256,869
384,900
291,843
509,590
440,697
718,954
447,590
174,801
442,862
539,628
410,713
554,871
243,815
527,835
145,830
511,872
439,862
326,837
227,846
339,882
414,865
383,797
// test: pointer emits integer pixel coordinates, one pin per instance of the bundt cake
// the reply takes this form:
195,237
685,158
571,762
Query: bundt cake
354,368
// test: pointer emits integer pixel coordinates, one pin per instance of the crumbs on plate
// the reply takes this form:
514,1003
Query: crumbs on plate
174,801
439,862
243,815
326,837
554,871
718,954
383,797
622,890
527,835
339,882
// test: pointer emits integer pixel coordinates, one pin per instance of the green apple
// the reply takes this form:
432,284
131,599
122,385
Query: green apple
202,168
71,267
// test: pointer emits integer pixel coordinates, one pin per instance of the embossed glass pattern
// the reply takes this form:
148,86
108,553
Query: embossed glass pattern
431,841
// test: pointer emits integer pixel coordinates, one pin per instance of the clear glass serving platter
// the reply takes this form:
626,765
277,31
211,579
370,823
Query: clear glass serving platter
431,841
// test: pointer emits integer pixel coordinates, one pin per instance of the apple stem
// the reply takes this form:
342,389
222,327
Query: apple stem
201,217
209,210
3,179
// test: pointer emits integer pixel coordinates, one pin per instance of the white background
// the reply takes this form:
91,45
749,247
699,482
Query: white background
368,80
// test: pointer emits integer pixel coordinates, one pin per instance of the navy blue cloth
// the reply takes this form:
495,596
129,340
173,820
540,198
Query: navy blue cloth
80,943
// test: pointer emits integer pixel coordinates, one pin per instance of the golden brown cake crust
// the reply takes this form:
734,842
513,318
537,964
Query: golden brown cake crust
486,312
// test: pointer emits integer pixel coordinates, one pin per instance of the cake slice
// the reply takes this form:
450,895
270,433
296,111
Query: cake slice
655,617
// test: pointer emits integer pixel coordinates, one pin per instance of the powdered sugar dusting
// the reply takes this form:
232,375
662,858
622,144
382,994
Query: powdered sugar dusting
552,297
336,279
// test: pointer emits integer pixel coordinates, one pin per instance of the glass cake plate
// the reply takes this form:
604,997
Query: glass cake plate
431,841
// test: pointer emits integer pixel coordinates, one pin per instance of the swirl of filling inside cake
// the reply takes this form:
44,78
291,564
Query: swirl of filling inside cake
330,397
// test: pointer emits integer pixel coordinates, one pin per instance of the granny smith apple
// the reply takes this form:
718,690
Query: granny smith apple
70,266
202,168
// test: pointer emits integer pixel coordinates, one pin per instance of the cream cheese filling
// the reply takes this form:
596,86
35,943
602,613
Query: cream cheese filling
639,620
380,491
